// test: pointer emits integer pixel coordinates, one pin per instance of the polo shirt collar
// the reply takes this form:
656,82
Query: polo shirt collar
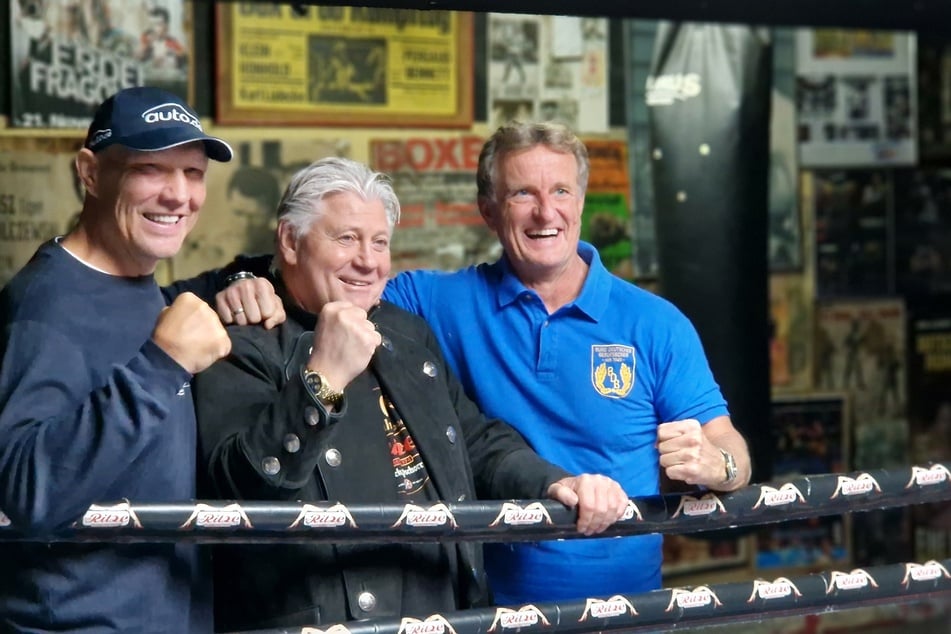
594,296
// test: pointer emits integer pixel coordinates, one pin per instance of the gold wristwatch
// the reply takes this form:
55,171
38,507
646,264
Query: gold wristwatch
730,466
320,388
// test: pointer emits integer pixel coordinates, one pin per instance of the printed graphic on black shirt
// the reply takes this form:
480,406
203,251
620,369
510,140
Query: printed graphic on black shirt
408,466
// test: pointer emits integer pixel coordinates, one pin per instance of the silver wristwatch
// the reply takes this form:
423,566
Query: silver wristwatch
729,464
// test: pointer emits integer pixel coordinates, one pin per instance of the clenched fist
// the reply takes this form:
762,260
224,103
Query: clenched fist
191,333
250,301
344,343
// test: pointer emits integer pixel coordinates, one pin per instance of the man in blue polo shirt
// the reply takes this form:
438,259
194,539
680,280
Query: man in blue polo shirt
597,374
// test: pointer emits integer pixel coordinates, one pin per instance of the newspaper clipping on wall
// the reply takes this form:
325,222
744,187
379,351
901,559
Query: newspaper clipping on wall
548,68
856,97
40,197
69,55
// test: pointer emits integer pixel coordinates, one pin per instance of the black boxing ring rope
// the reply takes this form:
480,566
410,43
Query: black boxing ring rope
528,520
669,608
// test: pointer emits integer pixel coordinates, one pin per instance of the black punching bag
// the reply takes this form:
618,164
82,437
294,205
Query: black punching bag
708,97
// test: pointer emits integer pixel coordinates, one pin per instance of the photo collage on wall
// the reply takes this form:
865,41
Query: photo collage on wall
548,68
855,99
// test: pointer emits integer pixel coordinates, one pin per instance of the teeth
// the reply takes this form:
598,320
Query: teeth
545,233
165,220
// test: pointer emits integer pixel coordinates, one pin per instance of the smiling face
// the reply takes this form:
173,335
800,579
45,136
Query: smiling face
140,206
344,254
536,213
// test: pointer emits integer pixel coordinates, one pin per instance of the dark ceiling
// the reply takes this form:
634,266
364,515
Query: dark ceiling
924,16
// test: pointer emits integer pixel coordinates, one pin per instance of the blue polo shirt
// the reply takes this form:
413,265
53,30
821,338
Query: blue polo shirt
586,386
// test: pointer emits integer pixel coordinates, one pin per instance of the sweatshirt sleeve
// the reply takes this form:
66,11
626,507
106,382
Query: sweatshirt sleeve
63,441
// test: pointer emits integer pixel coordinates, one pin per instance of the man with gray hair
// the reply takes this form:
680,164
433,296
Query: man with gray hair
350,400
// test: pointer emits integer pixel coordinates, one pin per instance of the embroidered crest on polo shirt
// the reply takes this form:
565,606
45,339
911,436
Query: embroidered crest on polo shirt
612,369
170,112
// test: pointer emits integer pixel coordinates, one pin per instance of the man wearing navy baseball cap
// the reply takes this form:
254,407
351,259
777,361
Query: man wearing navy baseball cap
95,396
150,119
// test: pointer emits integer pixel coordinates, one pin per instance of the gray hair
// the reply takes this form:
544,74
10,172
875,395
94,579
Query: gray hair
301,203
518,135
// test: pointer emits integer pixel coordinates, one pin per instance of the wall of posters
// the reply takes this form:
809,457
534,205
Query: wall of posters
69,55
853,233
856,97
39,197
239,211
345,65
435,178
548,68
811,435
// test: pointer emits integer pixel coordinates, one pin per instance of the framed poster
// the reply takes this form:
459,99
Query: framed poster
860,349
307,65
855,97
811,435
69,55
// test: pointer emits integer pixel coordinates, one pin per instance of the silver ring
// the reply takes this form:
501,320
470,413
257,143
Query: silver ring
237,311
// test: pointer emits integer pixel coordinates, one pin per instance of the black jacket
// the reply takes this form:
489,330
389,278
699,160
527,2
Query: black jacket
250,402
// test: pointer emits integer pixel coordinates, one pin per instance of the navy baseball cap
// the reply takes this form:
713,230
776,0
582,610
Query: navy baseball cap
149,119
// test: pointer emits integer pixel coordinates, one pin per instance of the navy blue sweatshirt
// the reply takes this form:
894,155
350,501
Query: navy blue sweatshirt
92,411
